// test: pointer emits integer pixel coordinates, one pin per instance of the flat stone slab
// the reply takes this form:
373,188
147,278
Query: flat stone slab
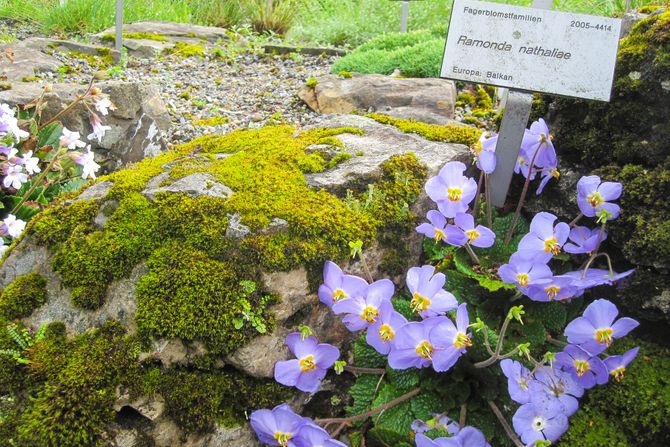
25,62
379,142
429,100
312,51
45,45
209,33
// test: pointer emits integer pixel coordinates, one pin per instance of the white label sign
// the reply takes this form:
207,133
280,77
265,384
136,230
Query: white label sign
532,49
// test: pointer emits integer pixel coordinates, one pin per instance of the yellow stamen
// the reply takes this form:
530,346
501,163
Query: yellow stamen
604,336
283,438
552,291
454,194
595,199
419,302
555,173
582,367
523,279
473,235
523,384
386,333
339,294
618,373
439,235
425,350
307,364
551,245
370,314
462,341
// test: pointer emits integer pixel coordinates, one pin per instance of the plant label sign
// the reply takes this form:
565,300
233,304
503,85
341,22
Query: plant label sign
532,49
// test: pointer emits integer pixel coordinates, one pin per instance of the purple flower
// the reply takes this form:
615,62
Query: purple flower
309,368
451,190
424,441
556,288
471,437
523,163
616,364
439,421
11,226
382,334
593,196
518,379
277,426
534,423
544,237
14,176
525,271
428,297
467,232
338,286
419,426
451,341
587,370
554,389
363,311
537,139
436,229
312,436
547,174
596,330
584,240
486,155
596,277
413,346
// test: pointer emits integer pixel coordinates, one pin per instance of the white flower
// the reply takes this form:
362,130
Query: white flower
9,124
14,176
30,163
6,110
98,129
86,161
71,139
102,104
10,152
13,226
3,247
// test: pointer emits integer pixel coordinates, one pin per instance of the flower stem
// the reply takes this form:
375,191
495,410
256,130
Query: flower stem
463,415
496,354
576,219
489,208
359,370
366,268
475,207
72,104
367,414
472,254
508,429
522,199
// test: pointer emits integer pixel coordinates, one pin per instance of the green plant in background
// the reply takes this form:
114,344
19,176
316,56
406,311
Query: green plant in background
24,341
248,315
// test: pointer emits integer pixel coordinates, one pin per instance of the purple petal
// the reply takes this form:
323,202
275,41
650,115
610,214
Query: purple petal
486,237
326,355
610,190
436,218
623,326
486,161
587,184
380,291
404,358
464,221
299,347
580,330
455,236
349,306
332,275
311,381
436,189
444,359
264,424
426,229
561,232
462,318
611,208
601,313
287,372
354,323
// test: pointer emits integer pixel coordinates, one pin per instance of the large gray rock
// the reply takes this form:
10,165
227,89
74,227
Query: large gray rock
18,62
171,29
138,125
430,100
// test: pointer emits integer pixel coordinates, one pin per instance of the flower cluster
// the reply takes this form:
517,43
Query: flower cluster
459,437
529,269
282,427
26,167
549,393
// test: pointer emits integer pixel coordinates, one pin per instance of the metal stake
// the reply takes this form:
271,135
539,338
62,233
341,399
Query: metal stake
119,26
404,16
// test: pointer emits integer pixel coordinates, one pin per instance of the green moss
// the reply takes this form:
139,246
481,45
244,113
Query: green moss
55,225
448,134
339,158
184,49
4,86
467,98
214,121
73,404
196,400
591,428
30,79
638,406
346,74
143,36
102,59
25,294
312,83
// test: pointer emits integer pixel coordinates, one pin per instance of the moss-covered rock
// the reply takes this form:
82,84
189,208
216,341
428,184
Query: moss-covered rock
25,294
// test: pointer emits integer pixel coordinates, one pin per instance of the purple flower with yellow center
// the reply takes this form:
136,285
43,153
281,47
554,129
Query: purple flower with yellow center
310,366
382,334
413,347
338,286
485,152
424,441
597,329
477,236
584,240
533,423
594,197
523,162
439,421
616,364
554,389
451,341
471,437
451,190
277,426
518,379
547,174
556,288
363,311
525,269
312,436
586,369
537,139
544,237
428,297
436,229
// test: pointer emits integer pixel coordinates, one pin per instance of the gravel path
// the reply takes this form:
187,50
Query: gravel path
249,88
